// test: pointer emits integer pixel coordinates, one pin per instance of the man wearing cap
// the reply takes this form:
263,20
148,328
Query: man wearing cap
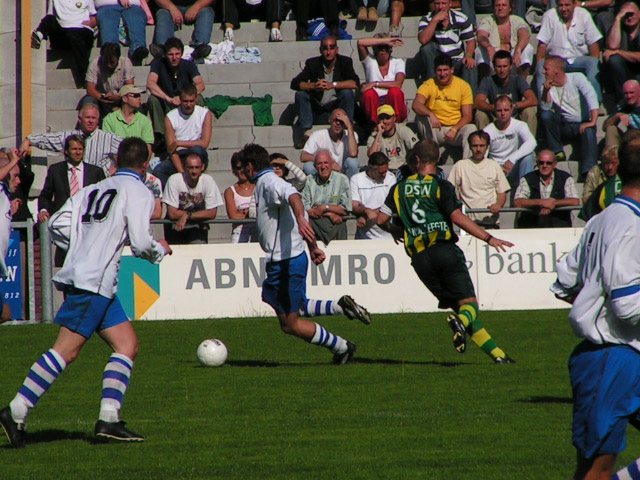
128,121
394,140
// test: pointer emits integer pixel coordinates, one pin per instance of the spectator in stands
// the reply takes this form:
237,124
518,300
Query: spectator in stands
154,185
191,196
627,117
448,32
503,82
128,121
70,27
64,180
327,82
167,77
622,55
306,9
237,199
507,32
327,199
480,182
235,10
340,140
100,146
562,116
512,144
444,106
568,32
393,139
172,15
369,190
607,168
188,130
283,166
602,12
543,191
130,12
384,76
106,75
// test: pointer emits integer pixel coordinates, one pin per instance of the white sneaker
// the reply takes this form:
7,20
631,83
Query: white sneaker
275,36
228,34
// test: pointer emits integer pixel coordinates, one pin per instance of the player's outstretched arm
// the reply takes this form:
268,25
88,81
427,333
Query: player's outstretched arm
469,226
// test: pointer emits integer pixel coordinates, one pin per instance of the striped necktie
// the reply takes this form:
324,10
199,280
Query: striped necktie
74,184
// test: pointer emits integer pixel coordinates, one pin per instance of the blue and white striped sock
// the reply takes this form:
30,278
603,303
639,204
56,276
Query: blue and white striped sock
115,381
314,308
630,472
42,374
324,338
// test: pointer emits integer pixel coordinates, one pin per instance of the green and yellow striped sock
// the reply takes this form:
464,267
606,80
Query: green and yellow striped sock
469,316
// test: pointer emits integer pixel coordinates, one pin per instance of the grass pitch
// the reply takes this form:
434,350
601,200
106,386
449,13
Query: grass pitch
408,407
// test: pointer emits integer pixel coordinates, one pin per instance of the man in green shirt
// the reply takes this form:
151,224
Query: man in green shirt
427,208
128,121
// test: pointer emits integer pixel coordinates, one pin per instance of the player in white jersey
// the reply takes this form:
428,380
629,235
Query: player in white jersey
283,230
95,225
10,176
601,278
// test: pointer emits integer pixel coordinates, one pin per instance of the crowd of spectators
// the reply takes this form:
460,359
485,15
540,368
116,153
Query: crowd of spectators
506,134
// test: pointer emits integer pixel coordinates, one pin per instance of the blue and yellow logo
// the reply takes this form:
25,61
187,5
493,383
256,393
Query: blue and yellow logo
138,286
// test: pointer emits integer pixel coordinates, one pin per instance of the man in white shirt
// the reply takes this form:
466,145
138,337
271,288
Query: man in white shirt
191,197
369,190
94,226
340,139
187,130
283,230
480,182
600,279
568,31
565,99
512,143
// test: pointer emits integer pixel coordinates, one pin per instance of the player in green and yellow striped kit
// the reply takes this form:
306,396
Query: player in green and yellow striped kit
428,208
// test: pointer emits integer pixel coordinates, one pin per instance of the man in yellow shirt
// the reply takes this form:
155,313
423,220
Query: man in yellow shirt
444,108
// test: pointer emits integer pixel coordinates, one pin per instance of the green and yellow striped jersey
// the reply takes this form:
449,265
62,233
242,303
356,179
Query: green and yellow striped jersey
424,204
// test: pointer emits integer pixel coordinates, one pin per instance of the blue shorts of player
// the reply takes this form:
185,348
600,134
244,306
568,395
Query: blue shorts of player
285,287
85,312
605,380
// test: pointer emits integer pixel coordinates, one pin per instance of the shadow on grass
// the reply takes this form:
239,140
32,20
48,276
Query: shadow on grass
47,436
393,361
371,361
545,399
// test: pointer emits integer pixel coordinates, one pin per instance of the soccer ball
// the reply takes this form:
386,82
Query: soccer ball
212,352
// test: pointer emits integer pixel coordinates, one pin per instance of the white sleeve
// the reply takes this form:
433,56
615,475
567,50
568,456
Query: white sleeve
355,191
398,65
569,279
544,35
60,225
523,189
170,194
312,145
592,33
213,198
621,278
138,227
528,142
587,91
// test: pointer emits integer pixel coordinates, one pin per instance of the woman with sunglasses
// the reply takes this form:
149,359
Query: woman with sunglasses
384,76
238,199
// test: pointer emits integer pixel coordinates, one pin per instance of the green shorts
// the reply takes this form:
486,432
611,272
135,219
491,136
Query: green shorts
443,269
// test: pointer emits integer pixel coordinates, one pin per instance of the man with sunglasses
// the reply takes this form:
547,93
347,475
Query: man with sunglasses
327,82
128,121
543,191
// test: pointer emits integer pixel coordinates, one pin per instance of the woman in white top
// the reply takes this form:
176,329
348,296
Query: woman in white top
238,199
384,76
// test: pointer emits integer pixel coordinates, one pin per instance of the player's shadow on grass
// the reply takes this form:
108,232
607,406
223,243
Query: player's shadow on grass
546,399
393,361
47,436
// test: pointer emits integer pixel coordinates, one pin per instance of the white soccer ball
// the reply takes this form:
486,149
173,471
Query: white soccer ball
212,352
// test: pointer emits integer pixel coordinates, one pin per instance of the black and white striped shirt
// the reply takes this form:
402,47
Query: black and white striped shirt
450,41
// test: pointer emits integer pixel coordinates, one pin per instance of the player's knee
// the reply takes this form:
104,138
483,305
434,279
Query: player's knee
129,350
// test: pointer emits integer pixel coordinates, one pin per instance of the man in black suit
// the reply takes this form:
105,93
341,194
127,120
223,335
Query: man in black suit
327,82
64,179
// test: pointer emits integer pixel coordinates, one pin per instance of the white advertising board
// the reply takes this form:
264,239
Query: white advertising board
224,280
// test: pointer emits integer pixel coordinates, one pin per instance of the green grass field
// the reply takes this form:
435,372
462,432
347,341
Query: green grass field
408,407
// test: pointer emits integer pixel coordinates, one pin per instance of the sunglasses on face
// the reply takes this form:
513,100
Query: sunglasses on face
328,47
135,95
545,163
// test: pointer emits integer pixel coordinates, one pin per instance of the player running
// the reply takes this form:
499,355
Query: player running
601,278
427,208
94,226
283,229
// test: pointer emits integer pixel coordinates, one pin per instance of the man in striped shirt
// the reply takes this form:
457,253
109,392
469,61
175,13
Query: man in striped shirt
99,145
450,32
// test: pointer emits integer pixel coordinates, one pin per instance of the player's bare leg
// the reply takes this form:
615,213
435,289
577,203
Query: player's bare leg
598,468
124,342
